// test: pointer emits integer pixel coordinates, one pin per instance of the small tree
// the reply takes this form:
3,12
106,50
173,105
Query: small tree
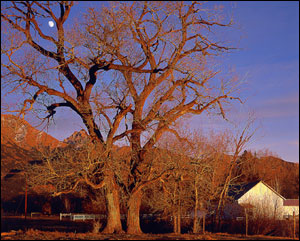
240,140
171,195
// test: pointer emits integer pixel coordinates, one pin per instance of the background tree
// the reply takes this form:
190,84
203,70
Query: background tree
174,196
206,163
240,140
267,166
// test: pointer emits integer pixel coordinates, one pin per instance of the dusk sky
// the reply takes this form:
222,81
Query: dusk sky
267,35
269,61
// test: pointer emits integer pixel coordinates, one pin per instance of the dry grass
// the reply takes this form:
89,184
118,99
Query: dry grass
33,234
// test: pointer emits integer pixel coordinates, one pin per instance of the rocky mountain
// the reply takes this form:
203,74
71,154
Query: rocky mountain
20,143
77,138
21,133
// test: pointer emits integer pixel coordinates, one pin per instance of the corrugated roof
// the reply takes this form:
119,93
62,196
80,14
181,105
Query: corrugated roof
291,202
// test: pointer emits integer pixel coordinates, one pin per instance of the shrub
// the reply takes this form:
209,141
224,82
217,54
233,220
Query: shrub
97,225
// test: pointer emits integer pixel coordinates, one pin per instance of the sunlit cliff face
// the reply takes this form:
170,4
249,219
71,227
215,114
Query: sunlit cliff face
78,138
20,132
16,131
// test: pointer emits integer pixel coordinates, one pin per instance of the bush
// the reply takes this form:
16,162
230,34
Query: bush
97,225
272,227
262,226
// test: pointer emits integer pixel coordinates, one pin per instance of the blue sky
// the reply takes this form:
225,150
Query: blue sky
267,34
271,56
269,62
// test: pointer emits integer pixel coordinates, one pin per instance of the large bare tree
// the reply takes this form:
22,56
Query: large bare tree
166,51
160,58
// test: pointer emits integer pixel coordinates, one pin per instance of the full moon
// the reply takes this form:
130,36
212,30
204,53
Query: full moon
51,24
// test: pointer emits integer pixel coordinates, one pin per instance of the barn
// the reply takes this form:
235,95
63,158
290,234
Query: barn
290,207
260,200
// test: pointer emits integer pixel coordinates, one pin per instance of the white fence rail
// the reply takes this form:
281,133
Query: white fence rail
80,216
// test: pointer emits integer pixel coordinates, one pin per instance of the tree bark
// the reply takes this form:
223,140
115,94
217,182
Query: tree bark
179,219
175,222
112,198
113,224
133,213
177,211
196,220
66,201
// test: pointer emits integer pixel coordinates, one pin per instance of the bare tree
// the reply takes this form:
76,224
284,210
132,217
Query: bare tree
161,55
240,140
214,167
165,50
202,165
206,153
171,195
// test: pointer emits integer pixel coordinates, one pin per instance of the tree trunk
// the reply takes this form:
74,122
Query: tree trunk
112,199
133,213
175,226
113,224
177,211
67,205
25,198
196,219
179,220
176,222
196,222
219,219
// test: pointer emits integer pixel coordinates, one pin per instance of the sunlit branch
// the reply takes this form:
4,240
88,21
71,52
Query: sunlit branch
116,123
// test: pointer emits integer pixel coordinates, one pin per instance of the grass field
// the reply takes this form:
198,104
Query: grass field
50,228
44,235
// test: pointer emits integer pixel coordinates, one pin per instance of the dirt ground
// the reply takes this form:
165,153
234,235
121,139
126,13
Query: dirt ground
45,235
51,228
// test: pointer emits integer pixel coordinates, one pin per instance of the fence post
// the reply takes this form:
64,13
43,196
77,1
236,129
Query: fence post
25,206
294,219
203,227
246,221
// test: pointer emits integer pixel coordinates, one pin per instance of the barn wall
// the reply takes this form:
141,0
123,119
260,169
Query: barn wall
267,203
288,210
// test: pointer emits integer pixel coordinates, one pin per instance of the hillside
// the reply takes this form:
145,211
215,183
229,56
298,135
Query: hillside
20,143
20,132
283,176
